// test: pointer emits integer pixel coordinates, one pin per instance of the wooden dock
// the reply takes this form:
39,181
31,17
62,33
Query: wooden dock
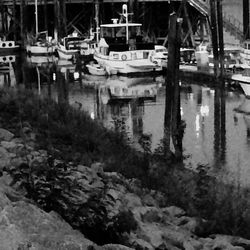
41,2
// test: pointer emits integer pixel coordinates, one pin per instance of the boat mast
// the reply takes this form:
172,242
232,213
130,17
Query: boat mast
36,16
125,14
97,19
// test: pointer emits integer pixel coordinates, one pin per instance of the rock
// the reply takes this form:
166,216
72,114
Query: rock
173,211
148,200
141,244
116,247
4,158
131,200
24,224
97,168
152,215
5,135
9,145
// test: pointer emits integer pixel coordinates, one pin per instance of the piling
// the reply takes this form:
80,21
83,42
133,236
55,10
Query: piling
172,103
221,37
246,18
214,31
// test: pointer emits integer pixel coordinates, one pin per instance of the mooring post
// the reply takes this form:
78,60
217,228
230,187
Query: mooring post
14,20
23,21
214,32
246,18
45,12
56,23
63,19
170,79
221,37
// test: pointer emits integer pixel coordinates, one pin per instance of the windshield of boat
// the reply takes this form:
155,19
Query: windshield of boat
120,31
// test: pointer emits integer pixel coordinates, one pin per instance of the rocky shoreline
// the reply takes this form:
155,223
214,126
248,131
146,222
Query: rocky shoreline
101,204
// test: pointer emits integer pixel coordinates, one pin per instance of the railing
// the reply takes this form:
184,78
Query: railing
201,5
233,25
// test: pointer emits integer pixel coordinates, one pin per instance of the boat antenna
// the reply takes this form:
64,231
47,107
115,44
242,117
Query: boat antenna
36,16
125,14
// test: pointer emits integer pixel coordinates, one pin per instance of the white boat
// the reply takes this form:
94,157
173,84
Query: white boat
98,70
244,81
70,46
41,44
7,47
121,47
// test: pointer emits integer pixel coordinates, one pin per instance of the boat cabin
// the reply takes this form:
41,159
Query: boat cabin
72,42
124,37
246,45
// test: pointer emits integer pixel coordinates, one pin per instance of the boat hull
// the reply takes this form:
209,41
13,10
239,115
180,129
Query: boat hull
66,54
39,50
8,47
128,66
244,82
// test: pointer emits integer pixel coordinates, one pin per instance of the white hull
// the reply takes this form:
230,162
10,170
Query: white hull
7,47
66,54
39,50
96,71
127,66
244,82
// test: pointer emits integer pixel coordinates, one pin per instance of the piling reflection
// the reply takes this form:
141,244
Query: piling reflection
219,127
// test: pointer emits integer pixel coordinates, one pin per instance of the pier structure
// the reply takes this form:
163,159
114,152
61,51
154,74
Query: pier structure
17,17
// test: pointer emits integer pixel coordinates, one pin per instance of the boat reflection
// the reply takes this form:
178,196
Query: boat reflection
7,74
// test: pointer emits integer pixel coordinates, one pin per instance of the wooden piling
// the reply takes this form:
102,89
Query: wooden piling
246,18
214,32
45,13
56,23
172,103
14,20
221,37
23,21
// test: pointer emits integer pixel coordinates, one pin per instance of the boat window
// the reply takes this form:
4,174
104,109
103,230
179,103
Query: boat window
134,56
116,56
248,46
145,54
117,90
125,91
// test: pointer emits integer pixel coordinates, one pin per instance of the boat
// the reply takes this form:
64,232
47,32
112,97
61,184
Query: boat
7,47
98,70
244,81
70,46
41,43
121,46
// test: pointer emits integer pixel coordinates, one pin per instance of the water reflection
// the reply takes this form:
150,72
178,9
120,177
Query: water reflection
216,122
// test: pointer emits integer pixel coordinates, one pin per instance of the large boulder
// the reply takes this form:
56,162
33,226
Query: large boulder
24,226
5,135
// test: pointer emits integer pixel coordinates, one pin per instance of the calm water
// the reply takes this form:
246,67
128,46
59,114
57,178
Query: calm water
217,130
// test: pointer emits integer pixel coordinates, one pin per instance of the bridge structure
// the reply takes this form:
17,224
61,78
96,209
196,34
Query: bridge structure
195,14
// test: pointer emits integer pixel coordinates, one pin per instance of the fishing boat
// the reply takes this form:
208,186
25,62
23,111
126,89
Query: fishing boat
99,70
8,47
121,46
70,46
41,43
